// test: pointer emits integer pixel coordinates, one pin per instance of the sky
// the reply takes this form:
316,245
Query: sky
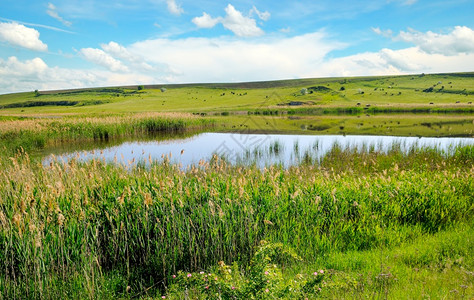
59,44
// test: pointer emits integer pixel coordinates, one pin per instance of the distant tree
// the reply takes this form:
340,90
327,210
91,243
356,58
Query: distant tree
342,88
163,90
37,93
141,87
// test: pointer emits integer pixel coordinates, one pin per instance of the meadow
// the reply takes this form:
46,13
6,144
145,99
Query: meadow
442,92
373,222
358,223
420,105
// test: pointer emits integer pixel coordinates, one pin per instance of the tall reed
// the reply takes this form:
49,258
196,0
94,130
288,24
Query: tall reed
32,134
67,227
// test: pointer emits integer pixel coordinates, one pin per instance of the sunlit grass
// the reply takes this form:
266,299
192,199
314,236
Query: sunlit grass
86,222
450,91
381,224
36,133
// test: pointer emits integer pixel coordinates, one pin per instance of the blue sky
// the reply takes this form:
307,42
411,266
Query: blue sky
82,43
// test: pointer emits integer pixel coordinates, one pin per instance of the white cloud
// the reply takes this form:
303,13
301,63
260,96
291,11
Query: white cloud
224,59
232,59
12,66
240,25
103,59
120,52
394,62
206,21
29,75
276,57
20,35
400,60
459,40
174,8
234,21
385,33
264,16
51,11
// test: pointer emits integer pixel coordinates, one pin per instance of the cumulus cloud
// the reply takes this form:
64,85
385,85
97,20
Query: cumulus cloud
234,21
103,59
459,40
120,52
174,8
13,67
239,24
232,59
20,35
224,59
29,75
394,62
206,21
119,59
277,57
399,60
51,11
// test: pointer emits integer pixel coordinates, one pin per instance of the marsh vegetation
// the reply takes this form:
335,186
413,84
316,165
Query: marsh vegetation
354,222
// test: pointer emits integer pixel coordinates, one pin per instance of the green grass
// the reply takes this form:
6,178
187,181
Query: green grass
431,266
388,92
35,134
379,224
326,109
92,229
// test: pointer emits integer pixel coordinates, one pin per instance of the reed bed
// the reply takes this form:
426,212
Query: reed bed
98,230
32,134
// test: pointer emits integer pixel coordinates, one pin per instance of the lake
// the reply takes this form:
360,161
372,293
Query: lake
261,149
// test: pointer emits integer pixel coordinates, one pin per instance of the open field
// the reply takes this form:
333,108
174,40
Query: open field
448,91
430,105
359,223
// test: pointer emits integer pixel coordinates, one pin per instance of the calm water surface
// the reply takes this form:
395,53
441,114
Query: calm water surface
261,149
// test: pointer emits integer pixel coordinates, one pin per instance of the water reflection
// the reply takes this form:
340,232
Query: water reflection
259,149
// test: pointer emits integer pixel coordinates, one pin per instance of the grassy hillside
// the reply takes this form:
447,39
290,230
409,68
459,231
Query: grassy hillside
453,91
417,105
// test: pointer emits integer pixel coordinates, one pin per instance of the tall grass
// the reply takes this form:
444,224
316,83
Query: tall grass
31,134
92,229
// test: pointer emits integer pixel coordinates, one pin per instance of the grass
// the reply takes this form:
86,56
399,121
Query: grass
32,134
394,224
330,106
426,267
377,91
94,229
